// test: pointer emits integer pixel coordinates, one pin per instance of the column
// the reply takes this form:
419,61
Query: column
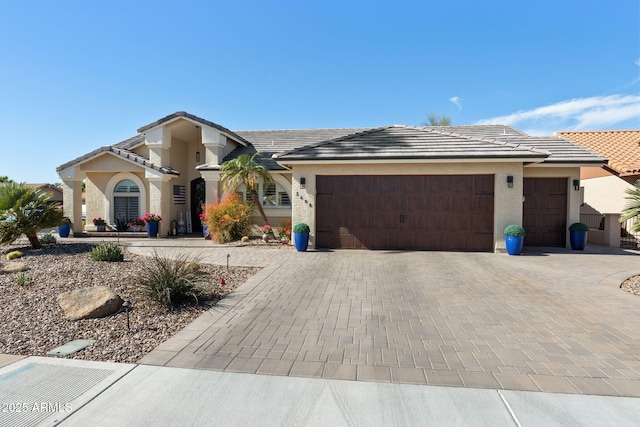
72,202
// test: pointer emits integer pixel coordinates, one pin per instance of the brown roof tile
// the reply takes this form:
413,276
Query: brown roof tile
621,147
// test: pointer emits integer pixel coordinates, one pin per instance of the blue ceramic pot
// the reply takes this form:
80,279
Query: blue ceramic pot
301,241
63,230
578,239
152,228
514,244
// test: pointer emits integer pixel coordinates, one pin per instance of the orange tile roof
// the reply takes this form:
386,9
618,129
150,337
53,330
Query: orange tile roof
621,147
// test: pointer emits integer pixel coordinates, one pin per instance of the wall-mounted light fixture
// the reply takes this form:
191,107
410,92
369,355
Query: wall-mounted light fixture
576,184
197,156
510,181
303,182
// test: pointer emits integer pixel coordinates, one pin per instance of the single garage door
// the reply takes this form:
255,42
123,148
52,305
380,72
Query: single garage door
545,211
405,212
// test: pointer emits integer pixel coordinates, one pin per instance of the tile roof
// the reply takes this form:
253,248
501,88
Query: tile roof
122,153
620,147
450,142
197,119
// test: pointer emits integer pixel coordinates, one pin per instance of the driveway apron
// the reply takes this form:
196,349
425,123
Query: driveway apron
549,320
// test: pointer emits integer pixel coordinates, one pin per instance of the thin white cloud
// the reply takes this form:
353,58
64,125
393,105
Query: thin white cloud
457,101
638,62
596,112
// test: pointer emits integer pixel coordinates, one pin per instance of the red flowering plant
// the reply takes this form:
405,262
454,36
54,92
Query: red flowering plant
203,218
136,222
99,221
150,217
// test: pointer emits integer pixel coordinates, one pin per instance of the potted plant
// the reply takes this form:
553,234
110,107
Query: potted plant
205,229
64,228
152,222
136,223
267,233
301,236
578,235
101,224
514,238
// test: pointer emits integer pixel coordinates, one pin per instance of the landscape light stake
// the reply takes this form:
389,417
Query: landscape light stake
126,306
228,256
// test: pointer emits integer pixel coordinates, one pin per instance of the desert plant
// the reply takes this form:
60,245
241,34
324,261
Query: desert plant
244,239
22,279
24,210
122,224
14,255
514,230
227,220
578,226
169,281
107,252
48,239
301,228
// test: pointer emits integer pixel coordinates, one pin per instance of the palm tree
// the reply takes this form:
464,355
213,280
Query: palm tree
434,120
25,210
632,210
246,170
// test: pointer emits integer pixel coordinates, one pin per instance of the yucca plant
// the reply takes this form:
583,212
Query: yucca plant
170,281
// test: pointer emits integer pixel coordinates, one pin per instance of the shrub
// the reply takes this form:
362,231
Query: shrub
48,239
168,281
579,226
301,228
245,239
14,255
22,279
107,252
227,220
514,230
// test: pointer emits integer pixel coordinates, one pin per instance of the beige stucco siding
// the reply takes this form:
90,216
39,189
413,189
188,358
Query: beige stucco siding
507,201
606,194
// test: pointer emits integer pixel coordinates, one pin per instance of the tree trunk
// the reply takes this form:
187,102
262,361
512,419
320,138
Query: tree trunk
33,239
256,201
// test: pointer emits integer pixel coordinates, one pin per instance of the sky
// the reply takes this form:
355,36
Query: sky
78,75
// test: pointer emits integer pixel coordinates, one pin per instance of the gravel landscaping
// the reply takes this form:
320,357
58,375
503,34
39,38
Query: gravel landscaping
632,284
33,323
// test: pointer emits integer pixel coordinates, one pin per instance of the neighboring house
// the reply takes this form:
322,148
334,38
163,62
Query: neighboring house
605,187
392,187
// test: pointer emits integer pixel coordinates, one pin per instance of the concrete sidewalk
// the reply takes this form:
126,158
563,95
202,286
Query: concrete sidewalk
46,391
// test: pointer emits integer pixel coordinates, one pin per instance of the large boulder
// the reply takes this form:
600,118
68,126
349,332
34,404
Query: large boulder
88,303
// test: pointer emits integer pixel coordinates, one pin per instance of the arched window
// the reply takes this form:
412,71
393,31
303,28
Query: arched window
126,200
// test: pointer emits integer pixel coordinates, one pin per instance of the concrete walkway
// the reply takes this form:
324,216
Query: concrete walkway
552,321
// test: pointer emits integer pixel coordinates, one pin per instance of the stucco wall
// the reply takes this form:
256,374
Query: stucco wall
606,194
507,201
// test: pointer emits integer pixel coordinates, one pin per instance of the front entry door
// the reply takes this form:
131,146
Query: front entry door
198,198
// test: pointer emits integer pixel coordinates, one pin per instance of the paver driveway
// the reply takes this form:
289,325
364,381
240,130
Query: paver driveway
544,321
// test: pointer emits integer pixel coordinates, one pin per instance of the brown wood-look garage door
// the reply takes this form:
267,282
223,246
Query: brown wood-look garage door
405,212
545,211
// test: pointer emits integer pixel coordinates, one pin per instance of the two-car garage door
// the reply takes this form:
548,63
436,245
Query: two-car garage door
431,212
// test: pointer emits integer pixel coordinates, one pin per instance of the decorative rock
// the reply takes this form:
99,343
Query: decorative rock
88,303
13,267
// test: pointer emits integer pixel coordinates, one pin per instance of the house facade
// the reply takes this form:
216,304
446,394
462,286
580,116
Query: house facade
393,187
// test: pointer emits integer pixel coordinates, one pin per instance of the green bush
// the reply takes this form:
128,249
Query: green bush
107,252
514,230
579,226
48,239
301,228
169,281
14,255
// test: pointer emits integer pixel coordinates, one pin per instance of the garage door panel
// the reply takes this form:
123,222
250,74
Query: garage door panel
545,211
405,212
